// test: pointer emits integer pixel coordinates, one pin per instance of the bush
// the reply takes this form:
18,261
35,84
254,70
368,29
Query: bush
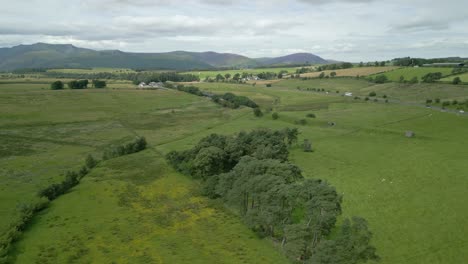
384,96
432,77
456,80
428,101
80,84
381,79
301,122
414,80
138,144
372,94
275,116
446,103
268,85
366,99
257,112
437,100
311,115
57,85
454,102
99,84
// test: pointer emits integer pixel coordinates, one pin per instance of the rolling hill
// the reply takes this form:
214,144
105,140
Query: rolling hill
42,55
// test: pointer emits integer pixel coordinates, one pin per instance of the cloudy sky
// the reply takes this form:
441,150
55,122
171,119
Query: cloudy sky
353,30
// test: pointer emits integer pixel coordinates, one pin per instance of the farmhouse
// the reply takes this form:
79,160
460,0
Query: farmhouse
151,85
348,94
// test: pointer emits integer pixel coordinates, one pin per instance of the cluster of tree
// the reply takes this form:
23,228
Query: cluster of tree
99,84
304,70
233,101
137,145
408,61
379,79
344,65
78,84
250,172
31,70
227,100
375,64
57,85
432,77
267,75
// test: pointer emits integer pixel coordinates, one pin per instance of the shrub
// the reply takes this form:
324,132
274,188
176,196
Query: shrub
268,85
381,79
90,162
57,85
99,84
311,115
257,112
372,94
384,96
274,116
414,80
428,101
301,122
446,103
454,102
366,99
456,80
138,144
437,100
432,77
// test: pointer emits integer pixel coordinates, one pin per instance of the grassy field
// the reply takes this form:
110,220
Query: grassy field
409,73
353,72
212,74
136,209
463,77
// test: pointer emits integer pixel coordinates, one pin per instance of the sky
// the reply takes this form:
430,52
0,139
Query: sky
348,30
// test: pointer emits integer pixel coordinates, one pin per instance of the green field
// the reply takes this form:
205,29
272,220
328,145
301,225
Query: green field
409,73
463,77
212,74
136,209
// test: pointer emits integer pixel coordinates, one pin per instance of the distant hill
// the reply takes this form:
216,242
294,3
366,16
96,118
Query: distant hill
42,55
297,58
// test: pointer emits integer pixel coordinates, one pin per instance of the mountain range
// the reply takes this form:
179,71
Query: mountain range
43,55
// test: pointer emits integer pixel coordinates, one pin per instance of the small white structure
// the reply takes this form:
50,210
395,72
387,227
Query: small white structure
151,85
348,94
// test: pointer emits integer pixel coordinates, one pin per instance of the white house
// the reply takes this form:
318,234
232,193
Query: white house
348,94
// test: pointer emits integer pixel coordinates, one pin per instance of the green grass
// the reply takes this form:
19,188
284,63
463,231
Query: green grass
463,77
409,73
212,74
136,209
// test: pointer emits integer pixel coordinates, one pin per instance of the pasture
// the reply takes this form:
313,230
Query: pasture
409,73
136,209
212,74
352,72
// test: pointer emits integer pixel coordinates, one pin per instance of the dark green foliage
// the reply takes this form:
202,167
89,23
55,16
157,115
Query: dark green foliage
80,84
301,122
428,101
366,99
268,85
275,116
402,79
227,100
257,112
372,94
456,80
454,102
250,173
238,100
332,74
321,75
432,77
352,245
99,84
90,162
53,191
437,100
267,75
384,96
138,144
311,115
57,85
445,103
381,79
344,65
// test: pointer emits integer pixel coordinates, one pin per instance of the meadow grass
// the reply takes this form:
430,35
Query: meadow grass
136,209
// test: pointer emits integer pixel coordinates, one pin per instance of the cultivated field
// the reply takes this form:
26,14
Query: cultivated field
136,209
353,72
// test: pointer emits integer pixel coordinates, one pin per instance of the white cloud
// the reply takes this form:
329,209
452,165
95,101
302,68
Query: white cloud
340,29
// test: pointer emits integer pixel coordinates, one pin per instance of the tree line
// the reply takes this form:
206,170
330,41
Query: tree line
229,100
26,212
77,84
250,173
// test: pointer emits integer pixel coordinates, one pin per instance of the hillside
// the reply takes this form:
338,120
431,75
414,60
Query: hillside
42,55
297,58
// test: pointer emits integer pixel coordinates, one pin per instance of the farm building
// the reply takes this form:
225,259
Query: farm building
348,94
151,85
